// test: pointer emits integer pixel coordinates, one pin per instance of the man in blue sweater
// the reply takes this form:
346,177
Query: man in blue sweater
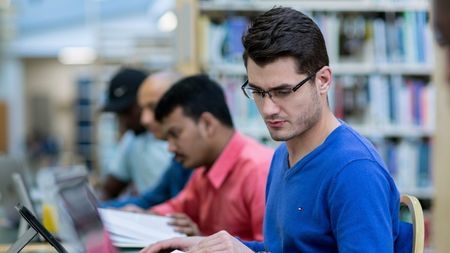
328,189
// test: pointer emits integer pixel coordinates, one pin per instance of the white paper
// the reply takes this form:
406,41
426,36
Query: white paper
136,230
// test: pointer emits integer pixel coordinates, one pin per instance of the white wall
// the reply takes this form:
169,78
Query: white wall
11,91
49,78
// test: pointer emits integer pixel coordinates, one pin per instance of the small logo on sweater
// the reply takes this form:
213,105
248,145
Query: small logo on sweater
300,209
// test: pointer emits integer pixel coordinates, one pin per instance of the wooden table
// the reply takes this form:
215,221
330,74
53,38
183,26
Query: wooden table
33,247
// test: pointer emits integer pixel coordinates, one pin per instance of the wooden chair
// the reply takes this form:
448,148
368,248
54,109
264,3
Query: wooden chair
416,213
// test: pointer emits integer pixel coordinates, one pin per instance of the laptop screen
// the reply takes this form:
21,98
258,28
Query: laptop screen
79,208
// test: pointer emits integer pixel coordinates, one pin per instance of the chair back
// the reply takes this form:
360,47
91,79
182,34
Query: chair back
416,212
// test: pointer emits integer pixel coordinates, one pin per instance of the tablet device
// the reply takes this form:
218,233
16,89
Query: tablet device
39,228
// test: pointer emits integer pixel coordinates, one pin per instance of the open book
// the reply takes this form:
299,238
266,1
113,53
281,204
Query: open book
136,230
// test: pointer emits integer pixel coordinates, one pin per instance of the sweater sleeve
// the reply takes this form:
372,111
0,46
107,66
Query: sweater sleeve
364,203
170,184
254,245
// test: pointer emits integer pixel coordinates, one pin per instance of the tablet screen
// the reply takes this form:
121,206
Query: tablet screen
38,227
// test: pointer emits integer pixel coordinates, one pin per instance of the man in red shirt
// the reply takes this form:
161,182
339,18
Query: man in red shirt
226,191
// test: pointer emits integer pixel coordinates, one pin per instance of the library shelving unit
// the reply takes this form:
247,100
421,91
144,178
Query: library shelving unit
381,55
84,120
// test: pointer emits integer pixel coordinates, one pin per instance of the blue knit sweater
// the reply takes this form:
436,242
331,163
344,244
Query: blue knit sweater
338,198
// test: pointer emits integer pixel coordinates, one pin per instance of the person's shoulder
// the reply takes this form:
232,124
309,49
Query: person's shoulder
281,149
254,155
349,143
148,138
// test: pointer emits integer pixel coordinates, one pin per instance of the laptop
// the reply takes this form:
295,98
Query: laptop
81,225
81,229
101,230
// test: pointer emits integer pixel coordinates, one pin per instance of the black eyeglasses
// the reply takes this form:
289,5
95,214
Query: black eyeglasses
276,94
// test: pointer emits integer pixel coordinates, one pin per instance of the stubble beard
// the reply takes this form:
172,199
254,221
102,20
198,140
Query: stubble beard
302,124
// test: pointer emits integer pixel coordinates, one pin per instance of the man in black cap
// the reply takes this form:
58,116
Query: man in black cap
140,159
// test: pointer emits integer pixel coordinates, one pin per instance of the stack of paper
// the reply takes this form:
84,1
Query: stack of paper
136,230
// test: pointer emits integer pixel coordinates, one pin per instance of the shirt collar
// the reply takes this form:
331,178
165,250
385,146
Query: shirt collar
225,163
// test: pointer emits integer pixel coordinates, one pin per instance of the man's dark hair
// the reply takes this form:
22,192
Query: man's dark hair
282,32
195,95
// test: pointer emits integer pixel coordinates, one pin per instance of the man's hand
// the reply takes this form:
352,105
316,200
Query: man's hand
183,224
220,242
181,243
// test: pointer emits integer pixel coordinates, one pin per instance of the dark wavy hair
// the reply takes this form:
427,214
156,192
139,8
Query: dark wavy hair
195,95
282,32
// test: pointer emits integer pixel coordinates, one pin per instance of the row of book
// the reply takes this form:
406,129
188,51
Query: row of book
408,160
384,100
399,1
374,100
255,1
241,108
403,37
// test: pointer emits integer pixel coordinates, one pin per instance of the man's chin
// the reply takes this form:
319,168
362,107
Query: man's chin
277,136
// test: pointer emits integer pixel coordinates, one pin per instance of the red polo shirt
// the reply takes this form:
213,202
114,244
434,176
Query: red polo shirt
230,196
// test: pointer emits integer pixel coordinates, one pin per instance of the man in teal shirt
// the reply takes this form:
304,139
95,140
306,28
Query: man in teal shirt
175,176
140,159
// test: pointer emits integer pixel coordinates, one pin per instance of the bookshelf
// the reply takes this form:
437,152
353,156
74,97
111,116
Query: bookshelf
84,120
311,5
339,69
382,81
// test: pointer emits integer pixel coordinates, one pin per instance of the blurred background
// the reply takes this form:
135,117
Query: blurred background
56,60
57,56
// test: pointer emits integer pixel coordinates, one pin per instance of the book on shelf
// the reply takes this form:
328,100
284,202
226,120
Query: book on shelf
394,104
380,100
381,61
400,37
136,230
408,161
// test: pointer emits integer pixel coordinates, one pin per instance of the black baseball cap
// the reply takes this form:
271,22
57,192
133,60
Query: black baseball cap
123,88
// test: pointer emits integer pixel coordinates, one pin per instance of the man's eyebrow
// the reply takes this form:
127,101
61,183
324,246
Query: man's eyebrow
253,86
281,86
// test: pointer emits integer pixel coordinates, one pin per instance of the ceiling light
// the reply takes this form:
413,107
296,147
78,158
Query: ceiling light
167,22
77,55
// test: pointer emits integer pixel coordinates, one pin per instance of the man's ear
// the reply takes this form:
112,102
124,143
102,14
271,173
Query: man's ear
323,77
207,124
